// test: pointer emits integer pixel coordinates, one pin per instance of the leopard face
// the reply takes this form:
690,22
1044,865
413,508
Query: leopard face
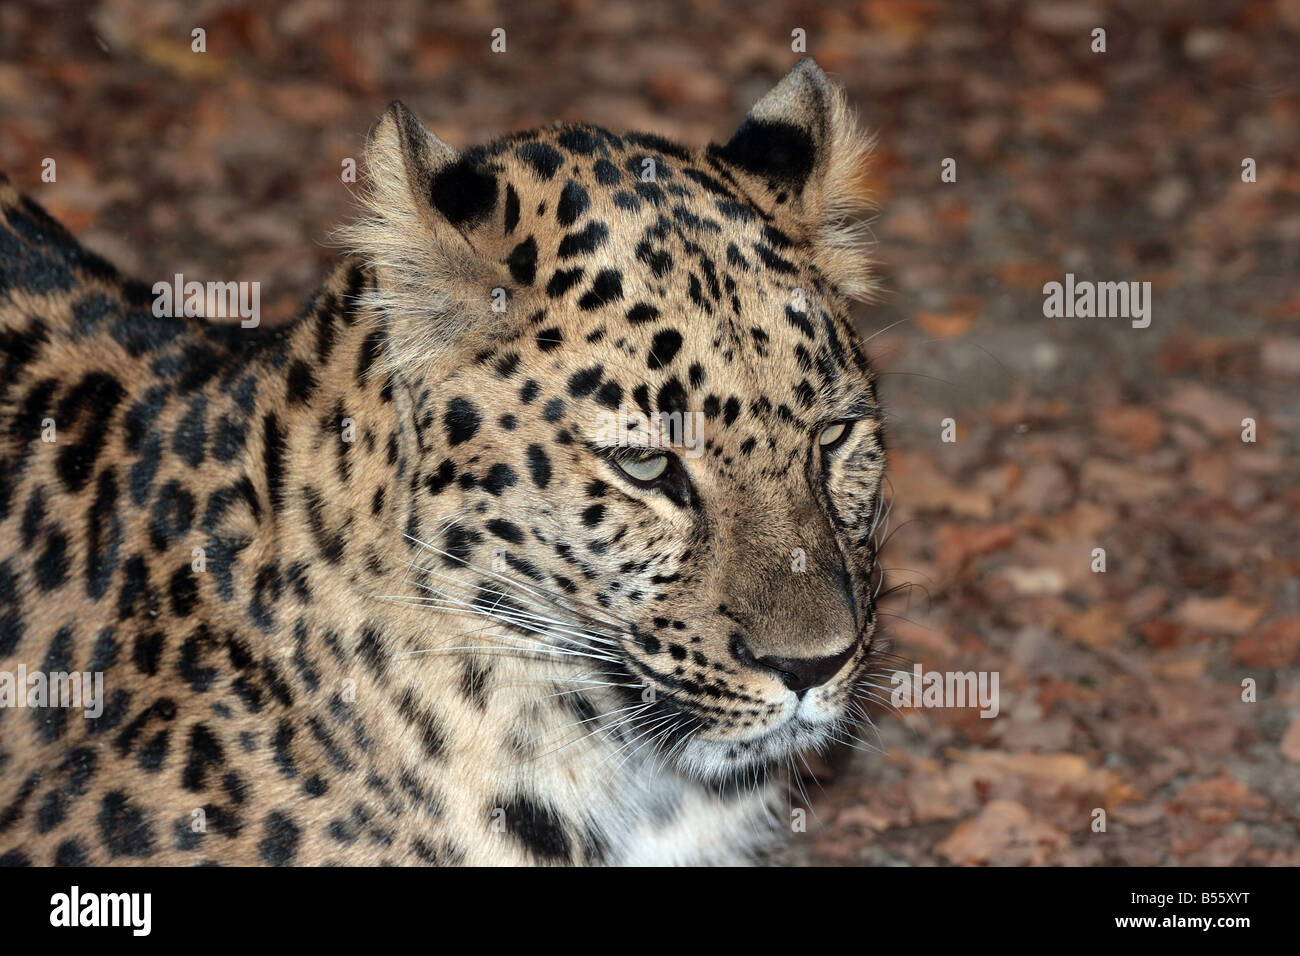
664,456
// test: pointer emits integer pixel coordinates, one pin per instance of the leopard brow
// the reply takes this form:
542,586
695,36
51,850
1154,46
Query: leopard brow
617,453
859,406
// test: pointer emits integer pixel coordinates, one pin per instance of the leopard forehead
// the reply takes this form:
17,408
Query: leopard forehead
652,282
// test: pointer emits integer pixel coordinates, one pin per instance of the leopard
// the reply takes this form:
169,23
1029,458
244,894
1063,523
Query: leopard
545,534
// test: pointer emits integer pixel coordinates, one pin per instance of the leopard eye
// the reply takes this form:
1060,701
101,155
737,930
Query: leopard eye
833,434
644,469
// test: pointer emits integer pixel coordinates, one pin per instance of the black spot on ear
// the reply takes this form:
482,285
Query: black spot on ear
464,193
523,262
782,152
544,159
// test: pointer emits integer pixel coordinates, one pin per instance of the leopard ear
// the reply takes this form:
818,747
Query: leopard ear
401,152
802,152
425,203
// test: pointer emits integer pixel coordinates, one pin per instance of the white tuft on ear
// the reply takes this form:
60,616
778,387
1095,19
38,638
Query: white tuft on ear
802,145
844,203
433,287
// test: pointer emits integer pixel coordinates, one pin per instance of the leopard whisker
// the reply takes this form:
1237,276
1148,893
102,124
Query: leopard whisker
547,596
461,607
588,653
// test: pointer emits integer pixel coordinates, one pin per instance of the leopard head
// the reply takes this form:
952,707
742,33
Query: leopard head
649,440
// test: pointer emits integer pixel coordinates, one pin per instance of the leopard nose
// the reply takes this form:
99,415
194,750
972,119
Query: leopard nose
803,673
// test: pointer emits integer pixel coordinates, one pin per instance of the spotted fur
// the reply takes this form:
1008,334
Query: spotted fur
369,589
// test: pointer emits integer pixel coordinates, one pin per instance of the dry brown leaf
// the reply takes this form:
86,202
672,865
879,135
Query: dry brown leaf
1004,833
1276,644
1226,615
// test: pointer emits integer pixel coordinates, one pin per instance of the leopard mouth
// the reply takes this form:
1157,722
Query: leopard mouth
718,761
694,745
716,744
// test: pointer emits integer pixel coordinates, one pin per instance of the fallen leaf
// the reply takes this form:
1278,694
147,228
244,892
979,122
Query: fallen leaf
1276,644
1136,427
1004,833
1218,414
1098,626
929,489
944,325
958,543
1227,615
1035,580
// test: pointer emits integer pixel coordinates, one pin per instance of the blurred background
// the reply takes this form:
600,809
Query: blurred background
1121,690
